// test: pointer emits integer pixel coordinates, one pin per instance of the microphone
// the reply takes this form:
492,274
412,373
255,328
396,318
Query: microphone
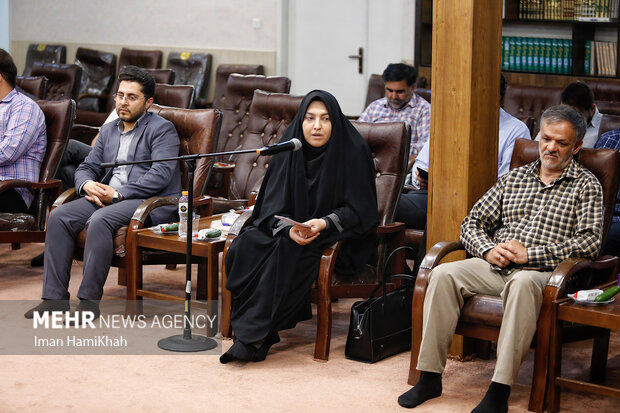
292,145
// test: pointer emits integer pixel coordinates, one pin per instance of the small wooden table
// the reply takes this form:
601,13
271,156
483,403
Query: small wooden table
146,238
603,316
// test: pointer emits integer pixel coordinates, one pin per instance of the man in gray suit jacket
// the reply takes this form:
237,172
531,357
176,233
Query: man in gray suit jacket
110,196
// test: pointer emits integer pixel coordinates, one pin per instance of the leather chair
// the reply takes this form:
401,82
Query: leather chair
481,315
146,59
609,122
192,69
525,100
608,107
63,81
235,107
389,144
34,85
163,76
530,122
221,79
44,53
197,131
30,226
178,96
98,70
423,93
604,89
376,89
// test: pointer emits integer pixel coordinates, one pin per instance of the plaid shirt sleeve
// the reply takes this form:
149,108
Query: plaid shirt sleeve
586,241
422,130
483,219
19,135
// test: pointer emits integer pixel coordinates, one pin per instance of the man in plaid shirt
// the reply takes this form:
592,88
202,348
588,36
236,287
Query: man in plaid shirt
518,232
22,138
400,104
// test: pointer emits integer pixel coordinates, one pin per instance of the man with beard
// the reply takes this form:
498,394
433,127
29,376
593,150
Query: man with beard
110,196
534,217
400,104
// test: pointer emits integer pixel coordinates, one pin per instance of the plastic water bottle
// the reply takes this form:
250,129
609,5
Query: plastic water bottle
183,214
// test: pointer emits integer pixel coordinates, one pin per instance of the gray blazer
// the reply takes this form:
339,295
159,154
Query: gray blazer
155,138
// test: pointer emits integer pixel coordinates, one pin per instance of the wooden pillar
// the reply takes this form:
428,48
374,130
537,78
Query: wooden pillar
464,113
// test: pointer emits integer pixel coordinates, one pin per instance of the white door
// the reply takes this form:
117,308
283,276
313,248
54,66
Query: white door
327,49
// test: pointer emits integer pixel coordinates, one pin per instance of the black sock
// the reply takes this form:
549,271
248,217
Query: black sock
428,387
495,400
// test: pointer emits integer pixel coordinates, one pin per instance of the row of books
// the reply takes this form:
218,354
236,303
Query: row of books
600,58
580,10
532,54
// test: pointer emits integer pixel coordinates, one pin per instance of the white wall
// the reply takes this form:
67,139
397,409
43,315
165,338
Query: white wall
4,25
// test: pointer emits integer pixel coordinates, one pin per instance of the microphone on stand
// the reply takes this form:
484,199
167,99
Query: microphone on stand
292,145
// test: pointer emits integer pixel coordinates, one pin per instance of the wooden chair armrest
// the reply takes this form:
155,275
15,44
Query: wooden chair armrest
390,228
204,205
145,208
67,196
326,268
221,205
569,271
252,198
239,224
15,183
432,258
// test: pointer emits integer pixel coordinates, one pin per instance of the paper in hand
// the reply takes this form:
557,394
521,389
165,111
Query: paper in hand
303,228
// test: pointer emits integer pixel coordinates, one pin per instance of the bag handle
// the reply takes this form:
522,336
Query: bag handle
387,277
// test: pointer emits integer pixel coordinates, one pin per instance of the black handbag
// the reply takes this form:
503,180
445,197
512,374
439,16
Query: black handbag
381,326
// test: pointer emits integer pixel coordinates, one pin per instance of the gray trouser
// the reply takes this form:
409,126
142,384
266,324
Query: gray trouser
64,224
450,283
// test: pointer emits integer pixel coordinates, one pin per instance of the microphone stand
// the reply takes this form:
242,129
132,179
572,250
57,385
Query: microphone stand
186,342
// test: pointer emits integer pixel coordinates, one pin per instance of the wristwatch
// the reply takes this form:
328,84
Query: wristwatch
116,197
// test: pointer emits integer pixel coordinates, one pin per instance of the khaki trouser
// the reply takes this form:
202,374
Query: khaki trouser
450,283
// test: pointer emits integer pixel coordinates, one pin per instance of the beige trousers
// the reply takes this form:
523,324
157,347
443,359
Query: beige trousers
450,283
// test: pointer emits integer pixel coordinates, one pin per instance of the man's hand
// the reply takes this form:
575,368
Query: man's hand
102,192
506,252
422,183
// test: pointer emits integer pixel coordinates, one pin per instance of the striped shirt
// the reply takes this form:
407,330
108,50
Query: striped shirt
554,222
23,140
417,113
611,140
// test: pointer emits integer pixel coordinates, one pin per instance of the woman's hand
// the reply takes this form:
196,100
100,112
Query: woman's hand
304,236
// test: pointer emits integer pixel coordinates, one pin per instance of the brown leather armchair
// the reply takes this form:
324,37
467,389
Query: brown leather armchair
235,106
30,226
481,315
526,100
35,85
146,59
98,71
604,89
197,131
44,53
608,107
389,144
192,69
608,122
63,81
376,89
178,96
221,79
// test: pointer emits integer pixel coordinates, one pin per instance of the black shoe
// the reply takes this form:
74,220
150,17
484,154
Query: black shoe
37,261
238,352
261,352
48,306
85,306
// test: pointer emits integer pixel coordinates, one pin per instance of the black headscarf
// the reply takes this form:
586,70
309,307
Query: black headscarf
313,182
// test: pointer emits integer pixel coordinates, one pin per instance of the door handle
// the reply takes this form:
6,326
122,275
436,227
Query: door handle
360,60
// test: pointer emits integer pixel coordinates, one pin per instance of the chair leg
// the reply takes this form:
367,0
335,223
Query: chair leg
226,306
171,266
598,366
15,245
324,326
122,276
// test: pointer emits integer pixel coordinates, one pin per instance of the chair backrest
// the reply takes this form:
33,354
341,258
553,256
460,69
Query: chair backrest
611,107
389,143
530,122
608,122
164,76
423,93
198,130
35,85
376,89
178,96
224,71
603,163
98,69
63,81
59,116
604,89
270,115
146,59
526,100
235,105
191,69
44,53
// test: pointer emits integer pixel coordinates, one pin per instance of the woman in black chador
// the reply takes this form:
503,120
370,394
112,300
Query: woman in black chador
330,185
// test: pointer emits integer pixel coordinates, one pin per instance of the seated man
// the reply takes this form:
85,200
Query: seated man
519,231
611,140
580,97
23,138
412,206
400,104
110,195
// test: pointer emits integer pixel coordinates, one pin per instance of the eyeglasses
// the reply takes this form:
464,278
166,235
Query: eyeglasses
131,98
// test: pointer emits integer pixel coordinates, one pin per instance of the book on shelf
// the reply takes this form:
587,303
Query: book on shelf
533,54
579,10
600,58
